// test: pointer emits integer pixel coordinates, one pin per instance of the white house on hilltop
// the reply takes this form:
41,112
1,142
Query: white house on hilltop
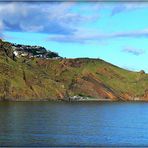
16,53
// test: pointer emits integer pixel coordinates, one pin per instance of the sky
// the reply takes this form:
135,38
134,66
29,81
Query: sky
115,32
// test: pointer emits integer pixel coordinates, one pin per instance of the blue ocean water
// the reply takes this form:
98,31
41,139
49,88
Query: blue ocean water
73,124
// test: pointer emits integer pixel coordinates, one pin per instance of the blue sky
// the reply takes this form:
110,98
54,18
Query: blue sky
115,32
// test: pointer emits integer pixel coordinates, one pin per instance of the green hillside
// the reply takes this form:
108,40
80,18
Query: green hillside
45,79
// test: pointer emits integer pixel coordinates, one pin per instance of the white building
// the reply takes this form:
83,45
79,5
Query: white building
16,53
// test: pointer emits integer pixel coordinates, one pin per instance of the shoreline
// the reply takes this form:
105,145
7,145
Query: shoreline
70,101
75,98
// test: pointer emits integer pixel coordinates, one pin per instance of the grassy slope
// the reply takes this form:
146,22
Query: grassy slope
56,79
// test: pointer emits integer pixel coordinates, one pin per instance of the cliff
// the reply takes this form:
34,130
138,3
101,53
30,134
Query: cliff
24,79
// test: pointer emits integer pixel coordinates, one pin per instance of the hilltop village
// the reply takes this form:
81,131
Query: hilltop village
33,51
29,51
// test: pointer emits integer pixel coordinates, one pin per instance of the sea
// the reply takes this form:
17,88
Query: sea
73,124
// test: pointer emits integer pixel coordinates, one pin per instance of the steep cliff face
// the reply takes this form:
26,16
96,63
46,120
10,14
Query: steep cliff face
58,79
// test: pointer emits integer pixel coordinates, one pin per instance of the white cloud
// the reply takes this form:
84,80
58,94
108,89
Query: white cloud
128,6
82,35
134,51
52,18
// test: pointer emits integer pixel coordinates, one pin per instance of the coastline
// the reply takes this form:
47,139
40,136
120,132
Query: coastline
73,99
